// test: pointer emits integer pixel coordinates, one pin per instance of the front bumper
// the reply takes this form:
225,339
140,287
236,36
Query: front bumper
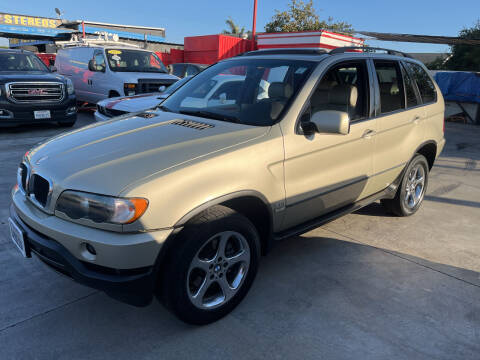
125,265
22,113
134,286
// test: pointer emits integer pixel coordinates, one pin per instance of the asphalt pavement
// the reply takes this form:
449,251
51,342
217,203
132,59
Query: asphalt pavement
366,286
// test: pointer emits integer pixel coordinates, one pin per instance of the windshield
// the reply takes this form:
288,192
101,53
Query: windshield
247,91
176,85
134,61
21,62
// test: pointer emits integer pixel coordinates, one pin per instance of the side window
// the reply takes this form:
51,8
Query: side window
410,92
178,69
390,83
191,70
343,88
99,61
424,83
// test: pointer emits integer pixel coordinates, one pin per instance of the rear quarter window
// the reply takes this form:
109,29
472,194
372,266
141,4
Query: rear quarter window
424,83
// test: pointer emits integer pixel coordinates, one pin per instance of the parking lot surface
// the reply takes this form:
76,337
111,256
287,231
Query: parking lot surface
366,286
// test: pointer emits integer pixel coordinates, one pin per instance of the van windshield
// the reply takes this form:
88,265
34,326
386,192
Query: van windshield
134,61
21,62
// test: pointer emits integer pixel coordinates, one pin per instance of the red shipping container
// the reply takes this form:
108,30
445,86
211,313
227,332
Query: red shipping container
48,59
209,49
175,56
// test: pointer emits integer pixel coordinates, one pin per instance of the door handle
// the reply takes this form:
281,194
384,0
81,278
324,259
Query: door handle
368,133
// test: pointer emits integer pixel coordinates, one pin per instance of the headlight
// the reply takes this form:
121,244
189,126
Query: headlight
130,89
70,88
100,209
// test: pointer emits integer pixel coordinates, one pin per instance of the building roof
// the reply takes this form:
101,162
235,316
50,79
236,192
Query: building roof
429,39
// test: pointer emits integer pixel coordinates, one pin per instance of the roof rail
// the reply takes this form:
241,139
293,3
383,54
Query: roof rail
284,51
367,49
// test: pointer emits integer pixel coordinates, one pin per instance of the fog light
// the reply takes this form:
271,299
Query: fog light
88,252
5,114
71,110
91,249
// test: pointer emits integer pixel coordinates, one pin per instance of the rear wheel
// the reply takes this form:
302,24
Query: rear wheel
212,266
411,192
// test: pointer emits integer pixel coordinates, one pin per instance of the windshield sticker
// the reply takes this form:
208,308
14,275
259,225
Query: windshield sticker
115,52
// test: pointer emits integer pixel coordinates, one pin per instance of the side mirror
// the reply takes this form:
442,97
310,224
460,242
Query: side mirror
331,122
53,68
91,65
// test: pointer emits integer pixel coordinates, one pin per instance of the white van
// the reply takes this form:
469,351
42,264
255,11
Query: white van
100,72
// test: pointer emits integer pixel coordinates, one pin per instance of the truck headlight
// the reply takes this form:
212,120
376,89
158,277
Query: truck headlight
99,208
130,89
70,88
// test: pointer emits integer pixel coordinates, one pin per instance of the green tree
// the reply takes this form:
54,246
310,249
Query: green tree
302,16
437,64
233,28
466,57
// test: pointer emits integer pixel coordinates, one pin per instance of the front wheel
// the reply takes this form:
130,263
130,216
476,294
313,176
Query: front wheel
212,266
412,189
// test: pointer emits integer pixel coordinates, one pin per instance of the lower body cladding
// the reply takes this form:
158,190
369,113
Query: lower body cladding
125,266
13,114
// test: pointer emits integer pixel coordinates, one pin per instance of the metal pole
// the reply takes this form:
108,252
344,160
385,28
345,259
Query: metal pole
254,26
83,28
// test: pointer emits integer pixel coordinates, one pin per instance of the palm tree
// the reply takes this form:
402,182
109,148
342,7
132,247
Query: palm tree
234,29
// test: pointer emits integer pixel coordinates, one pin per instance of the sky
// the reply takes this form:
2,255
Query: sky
183,18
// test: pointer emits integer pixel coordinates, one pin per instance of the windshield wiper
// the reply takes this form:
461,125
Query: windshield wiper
211,115
163,108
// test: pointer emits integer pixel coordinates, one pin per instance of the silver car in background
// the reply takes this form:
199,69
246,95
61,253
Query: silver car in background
121,105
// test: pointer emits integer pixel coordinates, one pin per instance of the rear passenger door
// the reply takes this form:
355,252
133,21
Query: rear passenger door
400,119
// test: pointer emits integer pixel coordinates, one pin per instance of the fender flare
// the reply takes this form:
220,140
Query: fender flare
221,199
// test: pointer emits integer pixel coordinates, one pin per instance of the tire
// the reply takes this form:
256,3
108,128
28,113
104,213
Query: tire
66,124
410,194
193,266
113,93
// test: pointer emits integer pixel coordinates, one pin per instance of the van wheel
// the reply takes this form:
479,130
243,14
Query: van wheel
212,266
409,196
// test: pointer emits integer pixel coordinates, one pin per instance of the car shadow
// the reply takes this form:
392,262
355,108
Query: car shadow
374,209
311,294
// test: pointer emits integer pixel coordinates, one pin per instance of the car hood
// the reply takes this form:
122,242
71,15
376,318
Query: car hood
9,76
107,157
133,103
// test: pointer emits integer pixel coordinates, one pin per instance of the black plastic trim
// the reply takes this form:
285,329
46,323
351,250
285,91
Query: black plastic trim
135,286
220,200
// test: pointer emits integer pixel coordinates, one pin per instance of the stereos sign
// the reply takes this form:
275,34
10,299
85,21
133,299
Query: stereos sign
30,25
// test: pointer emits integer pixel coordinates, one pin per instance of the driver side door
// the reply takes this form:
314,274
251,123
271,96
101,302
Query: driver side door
324,172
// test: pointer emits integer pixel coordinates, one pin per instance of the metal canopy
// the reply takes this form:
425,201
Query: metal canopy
143,30
429,39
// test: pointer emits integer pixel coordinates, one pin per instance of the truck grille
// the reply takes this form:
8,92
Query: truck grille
153,85
31,92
